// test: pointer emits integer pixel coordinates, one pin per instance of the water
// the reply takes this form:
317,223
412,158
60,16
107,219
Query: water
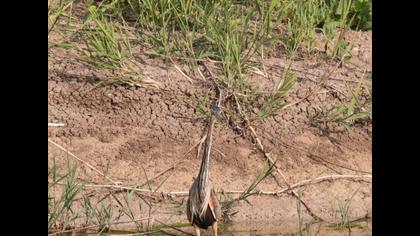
362,228
321,229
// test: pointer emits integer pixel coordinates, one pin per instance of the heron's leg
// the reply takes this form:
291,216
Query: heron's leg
214,226
197,230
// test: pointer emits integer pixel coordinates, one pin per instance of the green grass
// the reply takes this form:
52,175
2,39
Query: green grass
361,10
231,32
102,48
60,210
56,11
277,100
72,205
234,34
342,212
358,109
305,228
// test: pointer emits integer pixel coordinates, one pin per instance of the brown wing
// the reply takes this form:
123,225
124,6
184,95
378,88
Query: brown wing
215,206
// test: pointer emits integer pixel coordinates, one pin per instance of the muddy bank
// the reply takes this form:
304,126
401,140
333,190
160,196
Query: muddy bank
135,133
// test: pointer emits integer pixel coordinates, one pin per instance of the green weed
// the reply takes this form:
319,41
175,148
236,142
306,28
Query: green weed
60,211
357,110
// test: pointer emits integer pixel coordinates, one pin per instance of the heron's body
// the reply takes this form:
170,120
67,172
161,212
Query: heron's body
203,208
210,215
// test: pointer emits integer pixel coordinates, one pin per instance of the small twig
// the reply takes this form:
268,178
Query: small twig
177,193
200,144
344,80
213,79
118,187
177,57
158,175
55,124
84,162
257,71
180,71
201,74
311,93
220,152
192,148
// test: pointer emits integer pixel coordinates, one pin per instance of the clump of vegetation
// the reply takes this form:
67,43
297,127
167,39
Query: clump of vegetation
357,110
359,12
73,207
61,214
342,209
277,100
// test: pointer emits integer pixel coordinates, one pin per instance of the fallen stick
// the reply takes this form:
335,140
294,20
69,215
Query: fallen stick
262,192
118,187
318,180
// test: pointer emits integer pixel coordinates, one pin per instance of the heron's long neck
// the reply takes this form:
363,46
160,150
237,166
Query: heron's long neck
203,175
